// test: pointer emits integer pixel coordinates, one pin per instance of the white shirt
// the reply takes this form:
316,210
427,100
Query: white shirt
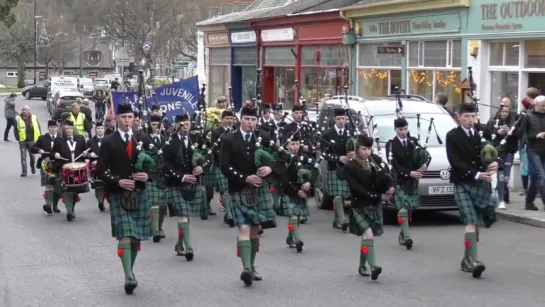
340,131
184,138
403,140
244,133
122,133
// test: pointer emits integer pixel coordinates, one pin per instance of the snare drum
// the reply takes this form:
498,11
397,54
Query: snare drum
75,177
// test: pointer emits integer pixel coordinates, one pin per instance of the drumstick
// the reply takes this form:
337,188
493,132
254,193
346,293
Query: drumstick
82,154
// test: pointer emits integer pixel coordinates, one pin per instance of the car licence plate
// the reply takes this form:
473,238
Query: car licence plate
441,190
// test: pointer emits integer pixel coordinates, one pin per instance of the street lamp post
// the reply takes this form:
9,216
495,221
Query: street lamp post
35,39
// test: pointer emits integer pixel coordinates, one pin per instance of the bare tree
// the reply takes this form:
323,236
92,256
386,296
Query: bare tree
7,16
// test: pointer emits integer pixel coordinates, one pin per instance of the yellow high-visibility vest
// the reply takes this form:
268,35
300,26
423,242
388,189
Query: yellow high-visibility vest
21,128
79,123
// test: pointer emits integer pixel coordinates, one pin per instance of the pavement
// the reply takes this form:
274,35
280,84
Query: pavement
47,261
515,212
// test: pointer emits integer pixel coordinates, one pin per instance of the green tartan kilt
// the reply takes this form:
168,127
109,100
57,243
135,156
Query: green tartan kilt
335,186
361,219
261,214
404,200
216,179
157,196
292,206
125,223
188,208
476,203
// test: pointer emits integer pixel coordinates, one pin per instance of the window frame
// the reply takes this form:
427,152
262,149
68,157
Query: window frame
11,74
377,68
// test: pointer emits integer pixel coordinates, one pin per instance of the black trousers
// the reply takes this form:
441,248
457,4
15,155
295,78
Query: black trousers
10,122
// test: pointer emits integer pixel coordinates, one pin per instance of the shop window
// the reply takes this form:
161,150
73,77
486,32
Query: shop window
428,83
368,56
504,54
319,82
327,55
435,54
219,82
245,56
279,56
284,89
378,83
503,84
535,54
219,56
249,77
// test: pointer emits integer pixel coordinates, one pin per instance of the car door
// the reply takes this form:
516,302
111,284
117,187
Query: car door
39,90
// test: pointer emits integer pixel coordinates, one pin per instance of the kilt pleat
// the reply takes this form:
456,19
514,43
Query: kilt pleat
361,219
188,208
261,214
157,196
404,200
335,186
476,203
215,178
125,223
293,206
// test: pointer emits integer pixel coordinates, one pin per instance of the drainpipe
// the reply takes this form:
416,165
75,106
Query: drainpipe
352,57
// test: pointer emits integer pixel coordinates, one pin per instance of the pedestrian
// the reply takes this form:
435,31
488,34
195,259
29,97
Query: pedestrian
28,132
86,109
361,174
109,124
10,114
100,105
442,100
472,184
78,119
126,189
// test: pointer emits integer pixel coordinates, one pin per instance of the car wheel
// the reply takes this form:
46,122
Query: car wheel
43,98
326,203
27,95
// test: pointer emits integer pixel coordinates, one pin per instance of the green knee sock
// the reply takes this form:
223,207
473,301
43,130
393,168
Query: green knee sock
245,248
276,199
69,199
364,250
471,246
56,199
293,226
403,217
135,247
339,209
368,245
50,195
227,205
99,195
255,248
186,237
124,252
162,213
154,219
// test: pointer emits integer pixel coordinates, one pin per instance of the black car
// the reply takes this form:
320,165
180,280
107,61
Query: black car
39,89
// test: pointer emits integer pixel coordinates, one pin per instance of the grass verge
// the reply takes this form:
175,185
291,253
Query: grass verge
9,90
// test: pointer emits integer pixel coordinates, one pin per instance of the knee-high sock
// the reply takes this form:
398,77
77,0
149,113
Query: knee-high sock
99,194
276,198
364,250
49,197
368,248
155,212
471,247
227,205
403,221
255,249
69,200
293,228
162,213
183,234
125,254
338,202
245,249
135,248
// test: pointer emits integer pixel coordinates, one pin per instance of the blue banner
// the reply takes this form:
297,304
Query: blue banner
174,99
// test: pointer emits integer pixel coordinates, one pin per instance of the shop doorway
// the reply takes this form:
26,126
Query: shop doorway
284,87
537,80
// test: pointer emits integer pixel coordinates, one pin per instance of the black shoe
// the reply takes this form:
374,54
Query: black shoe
336,225
179,249
344,227
23,174
299,246
247,277
375,272
56,209
130,285
204,218
101,206
256,276
530,206
69,217
162,234
290,242
476,268
362,270
157,237
189,254
33,171
229,221
212,212
260,232
47,209
303,220
405,241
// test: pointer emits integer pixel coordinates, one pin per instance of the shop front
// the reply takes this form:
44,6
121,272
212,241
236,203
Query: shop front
509,49
420,52
305,47
243,65
218,62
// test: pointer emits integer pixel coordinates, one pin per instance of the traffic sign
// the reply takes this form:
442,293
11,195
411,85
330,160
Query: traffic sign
180,64
391,50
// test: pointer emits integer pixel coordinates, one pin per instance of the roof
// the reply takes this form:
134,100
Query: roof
365,3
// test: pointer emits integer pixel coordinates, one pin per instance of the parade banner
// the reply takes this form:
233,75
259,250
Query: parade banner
174,99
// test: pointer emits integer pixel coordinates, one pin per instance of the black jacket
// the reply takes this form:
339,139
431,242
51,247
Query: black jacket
61,146
44,142
402,159
217,134
534,123
287,167
511,142
333,146
363,183
178,158
95,143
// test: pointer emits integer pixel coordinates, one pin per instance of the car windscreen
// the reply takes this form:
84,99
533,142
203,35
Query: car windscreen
70,97
327,118
443,123
101,82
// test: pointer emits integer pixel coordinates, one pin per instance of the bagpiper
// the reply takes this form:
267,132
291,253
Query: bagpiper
472,189
333,148
44,146
94,145
409,164
183,166
126,188
369,182
251,200
66,152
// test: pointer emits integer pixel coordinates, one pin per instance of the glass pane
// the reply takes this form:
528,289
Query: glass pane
285,86
395,80
309,55
503,84
413,54
421,83
496,54
373,83
512,53
448,82
535,54
435,54
368,56
334,55
456,54
219,82
249,77
279,56
443,122
245,56
220,56
318,82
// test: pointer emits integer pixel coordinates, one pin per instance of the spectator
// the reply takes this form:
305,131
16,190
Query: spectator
86,109
10,114
78,119
533,127
114,85
109,124
442,100
28,132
